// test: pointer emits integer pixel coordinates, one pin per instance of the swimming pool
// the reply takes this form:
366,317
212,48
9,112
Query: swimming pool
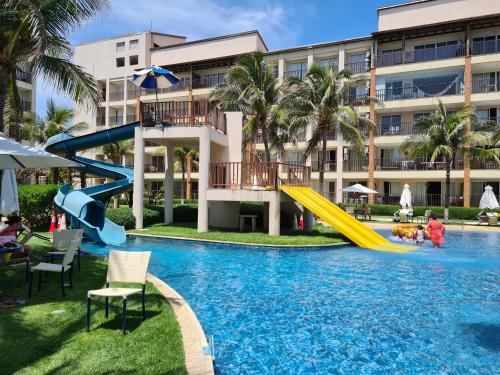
341,309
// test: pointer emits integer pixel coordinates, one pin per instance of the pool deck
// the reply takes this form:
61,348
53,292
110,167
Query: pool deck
193,336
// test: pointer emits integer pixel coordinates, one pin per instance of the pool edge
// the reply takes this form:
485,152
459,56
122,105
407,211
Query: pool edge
193,336
343,243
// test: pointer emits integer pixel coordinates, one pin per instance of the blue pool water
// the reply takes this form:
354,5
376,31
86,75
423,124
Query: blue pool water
343,309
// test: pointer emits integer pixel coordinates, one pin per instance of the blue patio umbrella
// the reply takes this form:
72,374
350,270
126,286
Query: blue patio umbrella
155,77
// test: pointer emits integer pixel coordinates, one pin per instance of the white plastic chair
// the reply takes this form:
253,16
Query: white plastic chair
61,241
66,265
123,267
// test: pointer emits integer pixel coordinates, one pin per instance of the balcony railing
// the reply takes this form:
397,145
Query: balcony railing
330,166
485,85
183,113
131,118
183,85
154,168
132,93
417,164
486,122
423,91
21,75
251,175
100,120
428,199
357,67
403,128
116,96
115,120
208,82
485,47
25,106
360,165
295,73
430,54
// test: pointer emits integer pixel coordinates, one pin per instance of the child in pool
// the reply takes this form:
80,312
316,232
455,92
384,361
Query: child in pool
420,235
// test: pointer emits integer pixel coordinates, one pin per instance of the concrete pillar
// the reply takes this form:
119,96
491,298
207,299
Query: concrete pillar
371,139
274,214
168,185
138,194
106,112
204,165
265,216
341,58
339,182
281,68
308,220
310,58
189,169
467,102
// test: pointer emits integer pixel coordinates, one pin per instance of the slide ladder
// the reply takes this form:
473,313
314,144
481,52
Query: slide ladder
85,206
359,233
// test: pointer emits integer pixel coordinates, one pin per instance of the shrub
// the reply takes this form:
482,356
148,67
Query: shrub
36,202
124,216
185,213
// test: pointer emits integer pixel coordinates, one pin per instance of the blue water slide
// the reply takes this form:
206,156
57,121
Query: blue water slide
85,206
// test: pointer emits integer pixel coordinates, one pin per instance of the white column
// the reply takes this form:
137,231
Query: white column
168,185
274,214
125,98
138,200
203,165
106,112
309,129
308,220
341,58
281,68
310,58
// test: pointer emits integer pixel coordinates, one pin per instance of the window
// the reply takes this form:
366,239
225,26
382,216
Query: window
133,60
156,186
420,116
213,79
486,44
393,90
294,157
157,163
329,62
120,61
435,51
296,69
120,47
357,58
134,45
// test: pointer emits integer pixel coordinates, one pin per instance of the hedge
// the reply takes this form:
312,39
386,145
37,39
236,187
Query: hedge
459,213
124,216
36,202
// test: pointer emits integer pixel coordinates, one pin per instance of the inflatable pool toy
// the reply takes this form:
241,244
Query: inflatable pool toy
408,231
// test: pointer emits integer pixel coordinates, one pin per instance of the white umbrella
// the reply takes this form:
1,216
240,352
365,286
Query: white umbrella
358,188
14,155
405,200
9,201
488,200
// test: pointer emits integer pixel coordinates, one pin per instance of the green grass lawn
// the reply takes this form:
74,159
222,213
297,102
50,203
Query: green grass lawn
319,236
47,334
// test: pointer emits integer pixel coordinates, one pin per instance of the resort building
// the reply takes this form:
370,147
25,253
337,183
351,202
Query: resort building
27,89
422,51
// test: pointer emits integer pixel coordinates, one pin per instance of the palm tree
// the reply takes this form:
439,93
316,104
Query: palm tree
252,88
182,155
33,33
322,99
116,152
57,120
445,135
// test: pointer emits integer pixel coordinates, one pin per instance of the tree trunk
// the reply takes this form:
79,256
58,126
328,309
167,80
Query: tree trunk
55,176
263,129
83,179
69,178
183,169
4,79
447,192
188,178
323,161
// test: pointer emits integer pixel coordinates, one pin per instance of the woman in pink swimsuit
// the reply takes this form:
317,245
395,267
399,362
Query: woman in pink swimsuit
436,231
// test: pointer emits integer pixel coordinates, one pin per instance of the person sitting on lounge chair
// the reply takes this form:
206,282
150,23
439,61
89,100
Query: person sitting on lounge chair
9,234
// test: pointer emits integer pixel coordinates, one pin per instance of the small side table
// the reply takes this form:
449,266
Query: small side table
242,222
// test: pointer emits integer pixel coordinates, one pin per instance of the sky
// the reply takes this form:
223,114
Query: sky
282,23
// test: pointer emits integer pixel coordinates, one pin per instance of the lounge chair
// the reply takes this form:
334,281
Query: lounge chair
489,218
62,240
66,265
425,219
350,210
123,267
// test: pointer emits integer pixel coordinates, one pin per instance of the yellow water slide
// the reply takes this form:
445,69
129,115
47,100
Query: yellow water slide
359,233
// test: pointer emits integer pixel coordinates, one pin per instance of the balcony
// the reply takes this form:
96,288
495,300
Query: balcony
133,93
485,47
182,85
403,128
116,96
183,113
154,168
330,165
360,165
423,91
429,54
131,118
295,73
417,164
485,122
208,82
480,86
25,106
357,67
21,75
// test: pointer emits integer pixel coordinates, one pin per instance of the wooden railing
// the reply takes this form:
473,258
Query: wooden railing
256,175
183,113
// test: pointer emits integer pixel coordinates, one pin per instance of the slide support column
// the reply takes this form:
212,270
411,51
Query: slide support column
169,185
138,194
204,165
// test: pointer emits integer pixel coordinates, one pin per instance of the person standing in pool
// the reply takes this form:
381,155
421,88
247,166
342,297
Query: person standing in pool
436,231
